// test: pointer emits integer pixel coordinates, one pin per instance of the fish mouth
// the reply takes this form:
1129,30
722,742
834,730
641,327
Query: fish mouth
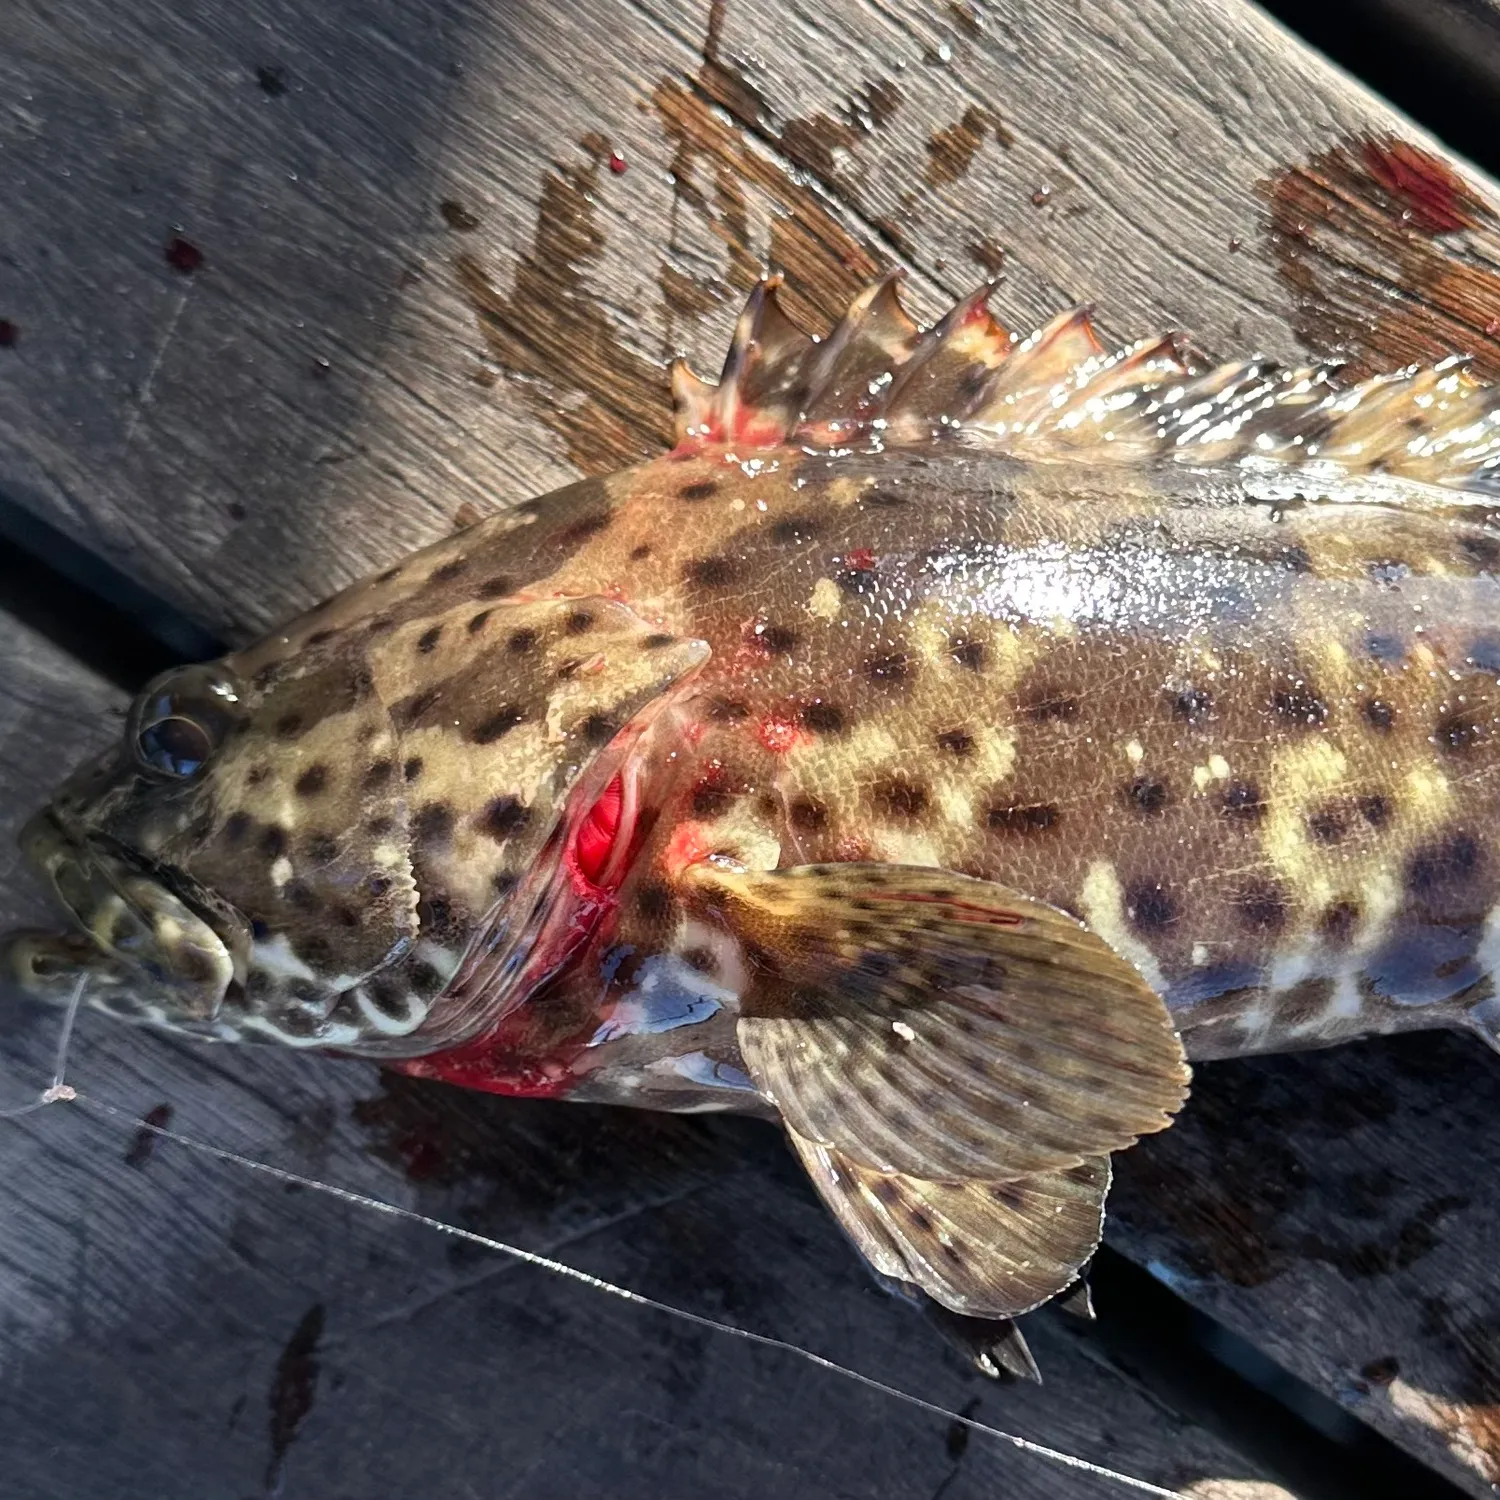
141,927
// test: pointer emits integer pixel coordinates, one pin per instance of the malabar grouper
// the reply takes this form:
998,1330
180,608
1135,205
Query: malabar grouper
947,740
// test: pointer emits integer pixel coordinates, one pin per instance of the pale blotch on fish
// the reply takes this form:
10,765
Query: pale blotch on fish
948,739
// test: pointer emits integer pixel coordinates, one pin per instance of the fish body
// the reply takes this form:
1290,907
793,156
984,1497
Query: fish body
946,738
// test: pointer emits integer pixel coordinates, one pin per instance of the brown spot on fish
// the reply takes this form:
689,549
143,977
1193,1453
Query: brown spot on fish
236,826
427,641
711,572
1460,731
408,710
497,724
1449,861
899,796
412,767
1261,905
273,841
478,622
1147,795
1242,802
577,532
504,817
449,570
699,489
377,775
1150,907
794,530
712,797
579,622
654,901
496,588
1300,704
882,499
970,654
1378,714
289,726
822,718
957,742
808,815
522,641
1047,705
312,782
433,824
1338,921
598,729
1383,647
1375,809
322,848
1023,818
1191,705
640,553
657,641
1329,823
729,710
888,668
381,625
776,639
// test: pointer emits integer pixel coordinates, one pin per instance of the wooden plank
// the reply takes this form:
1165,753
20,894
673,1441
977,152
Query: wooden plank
424,199
172,1325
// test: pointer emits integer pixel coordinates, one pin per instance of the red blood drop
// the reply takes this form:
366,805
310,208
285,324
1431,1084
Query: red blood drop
617,163
183,255
596,834
9,333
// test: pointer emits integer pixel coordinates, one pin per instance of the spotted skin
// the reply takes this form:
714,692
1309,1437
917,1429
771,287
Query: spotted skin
1240,720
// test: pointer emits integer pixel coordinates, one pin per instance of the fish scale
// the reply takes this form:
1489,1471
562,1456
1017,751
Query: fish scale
949,737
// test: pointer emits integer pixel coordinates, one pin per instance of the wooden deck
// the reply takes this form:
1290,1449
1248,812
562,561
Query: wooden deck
284,289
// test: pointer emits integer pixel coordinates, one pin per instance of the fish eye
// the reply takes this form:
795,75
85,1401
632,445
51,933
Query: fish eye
176,746
181,719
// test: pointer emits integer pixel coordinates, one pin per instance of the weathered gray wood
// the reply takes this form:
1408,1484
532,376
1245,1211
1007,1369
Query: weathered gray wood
157,1328
1176,163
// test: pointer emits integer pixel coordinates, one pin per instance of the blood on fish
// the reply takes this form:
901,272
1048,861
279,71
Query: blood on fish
861,558
780,733
689,845
595,840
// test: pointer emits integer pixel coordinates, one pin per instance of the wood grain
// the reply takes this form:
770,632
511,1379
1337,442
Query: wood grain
288,289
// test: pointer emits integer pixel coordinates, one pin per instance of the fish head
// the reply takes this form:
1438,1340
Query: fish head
323,840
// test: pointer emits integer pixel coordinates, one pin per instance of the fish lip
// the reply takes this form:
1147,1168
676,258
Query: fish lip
50,831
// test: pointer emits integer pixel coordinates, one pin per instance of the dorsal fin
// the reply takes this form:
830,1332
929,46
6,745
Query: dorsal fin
879,378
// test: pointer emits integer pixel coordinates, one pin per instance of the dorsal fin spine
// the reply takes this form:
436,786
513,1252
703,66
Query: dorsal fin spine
1059,392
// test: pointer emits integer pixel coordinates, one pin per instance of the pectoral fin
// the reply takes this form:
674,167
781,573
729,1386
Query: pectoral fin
981,1249
925,1025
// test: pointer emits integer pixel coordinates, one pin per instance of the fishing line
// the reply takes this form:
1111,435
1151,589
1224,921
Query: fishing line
61,1092
57,1090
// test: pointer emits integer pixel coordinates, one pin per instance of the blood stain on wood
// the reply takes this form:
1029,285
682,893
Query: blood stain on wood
550,330
456,216
182,255
989,253
1377,212
951,151
293,1388
144,1141
825,264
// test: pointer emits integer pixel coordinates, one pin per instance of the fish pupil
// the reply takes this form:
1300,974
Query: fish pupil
597,833
177,746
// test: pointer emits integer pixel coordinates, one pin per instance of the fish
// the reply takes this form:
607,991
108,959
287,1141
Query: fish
950,740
